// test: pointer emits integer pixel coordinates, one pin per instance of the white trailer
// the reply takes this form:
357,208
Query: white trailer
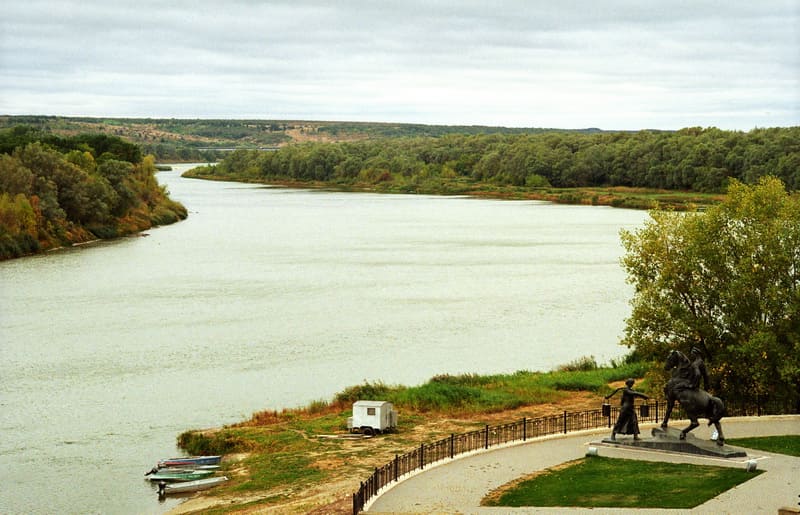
370,417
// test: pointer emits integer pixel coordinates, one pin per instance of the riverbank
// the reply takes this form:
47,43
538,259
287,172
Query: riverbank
618,196
344,463
303,460
60,198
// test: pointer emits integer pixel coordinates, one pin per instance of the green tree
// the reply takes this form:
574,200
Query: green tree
18,228
728,281
14,177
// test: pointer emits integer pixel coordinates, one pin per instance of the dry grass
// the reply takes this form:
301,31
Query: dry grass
349,462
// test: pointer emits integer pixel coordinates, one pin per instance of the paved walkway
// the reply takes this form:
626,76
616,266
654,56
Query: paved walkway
458,485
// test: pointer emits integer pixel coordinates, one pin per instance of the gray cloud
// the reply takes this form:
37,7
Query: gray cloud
614,64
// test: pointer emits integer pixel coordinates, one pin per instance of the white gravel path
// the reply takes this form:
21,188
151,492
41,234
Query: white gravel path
458,485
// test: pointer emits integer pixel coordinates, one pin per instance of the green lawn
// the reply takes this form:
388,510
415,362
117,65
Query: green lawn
784,444
619,483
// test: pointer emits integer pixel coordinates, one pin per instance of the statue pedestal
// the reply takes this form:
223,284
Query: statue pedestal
668,440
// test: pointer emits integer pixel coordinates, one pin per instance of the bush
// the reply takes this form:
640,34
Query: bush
318,407
202,444
104,231
581,364
366,391
441,396
462,379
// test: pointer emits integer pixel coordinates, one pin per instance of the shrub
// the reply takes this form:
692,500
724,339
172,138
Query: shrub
584,363
367,391
203,444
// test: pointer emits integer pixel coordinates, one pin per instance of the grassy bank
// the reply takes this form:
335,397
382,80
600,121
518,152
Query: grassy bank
288,459
623,197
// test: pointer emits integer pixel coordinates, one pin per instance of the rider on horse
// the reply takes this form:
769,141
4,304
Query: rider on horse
698,373
699,369
684,387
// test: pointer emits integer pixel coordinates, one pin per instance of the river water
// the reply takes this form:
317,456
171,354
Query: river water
267,298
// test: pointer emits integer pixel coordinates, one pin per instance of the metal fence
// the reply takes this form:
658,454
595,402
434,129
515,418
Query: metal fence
490,436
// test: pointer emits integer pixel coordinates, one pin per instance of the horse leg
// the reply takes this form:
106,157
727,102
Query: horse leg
720,437
693,425
670,405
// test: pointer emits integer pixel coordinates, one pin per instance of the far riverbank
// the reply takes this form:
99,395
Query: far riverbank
621,197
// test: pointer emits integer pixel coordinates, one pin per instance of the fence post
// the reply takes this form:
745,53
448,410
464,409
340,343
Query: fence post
657,417
486,440
524,429
565,421
362,497
422,456
396,466
452,445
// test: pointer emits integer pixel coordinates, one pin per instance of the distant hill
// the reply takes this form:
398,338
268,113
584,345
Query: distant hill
171,139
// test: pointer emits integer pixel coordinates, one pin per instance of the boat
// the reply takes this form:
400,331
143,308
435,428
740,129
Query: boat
156,469
187,475
184,469
190,486
191,461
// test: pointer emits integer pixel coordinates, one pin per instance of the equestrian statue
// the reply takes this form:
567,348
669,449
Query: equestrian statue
684,387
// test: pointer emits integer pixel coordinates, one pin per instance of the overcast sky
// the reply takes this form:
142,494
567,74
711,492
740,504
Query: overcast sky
612,64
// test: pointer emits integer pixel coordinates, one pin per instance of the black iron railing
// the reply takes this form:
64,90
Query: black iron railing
490,436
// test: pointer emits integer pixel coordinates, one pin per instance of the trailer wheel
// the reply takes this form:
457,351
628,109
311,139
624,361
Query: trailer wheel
368,431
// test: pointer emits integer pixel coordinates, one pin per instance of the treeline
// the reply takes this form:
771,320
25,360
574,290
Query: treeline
153,137
691,159
58,191
399,130
194,140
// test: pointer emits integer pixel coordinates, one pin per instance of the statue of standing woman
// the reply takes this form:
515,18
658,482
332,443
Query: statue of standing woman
627,423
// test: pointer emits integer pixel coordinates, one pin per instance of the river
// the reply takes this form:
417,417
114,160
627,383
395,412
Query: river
267,298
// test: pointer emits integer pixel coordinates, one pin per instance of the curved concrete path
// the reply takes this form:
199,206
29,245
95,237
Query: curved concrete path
458,485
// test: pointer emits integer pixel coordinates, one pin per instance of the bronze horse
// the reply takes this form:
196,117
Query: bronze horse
697,403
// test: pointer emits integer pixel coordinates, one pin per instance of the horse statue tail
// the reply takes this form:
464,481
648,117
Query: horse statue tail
716,409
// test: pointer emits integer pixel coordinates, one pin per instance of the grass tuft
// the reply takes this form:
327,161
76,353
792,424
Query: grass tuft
584,364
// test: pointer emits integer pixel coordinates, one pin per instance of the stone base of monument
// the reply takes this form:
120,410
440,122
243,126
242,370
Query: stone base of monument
668,440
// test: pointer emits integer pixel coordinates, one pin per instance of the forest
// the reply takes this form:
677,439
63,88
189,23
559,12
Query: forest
699,160
57,191
207,140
